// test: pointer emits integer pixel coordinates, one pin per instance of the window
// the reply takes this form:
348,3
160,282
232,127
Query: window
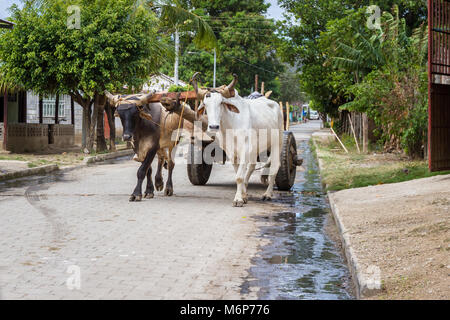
48,106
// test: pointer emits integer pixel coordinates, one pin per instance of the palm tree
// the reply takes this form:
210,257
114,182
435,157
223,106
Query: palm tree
178,19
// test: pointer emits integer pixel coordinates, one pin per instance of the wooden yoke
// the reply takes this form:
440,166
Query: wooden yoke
172,104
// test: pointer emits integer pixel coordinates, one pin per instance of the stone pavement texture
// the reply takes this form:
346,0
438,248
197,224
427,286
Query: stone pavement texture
193,245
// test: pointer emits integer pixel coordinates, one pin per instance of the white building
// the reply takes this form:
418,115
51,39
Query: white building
161,82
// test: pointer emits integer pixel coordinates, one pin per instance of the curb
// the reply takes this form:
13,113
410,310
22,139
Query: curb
29,172
108,156
53,167
364,287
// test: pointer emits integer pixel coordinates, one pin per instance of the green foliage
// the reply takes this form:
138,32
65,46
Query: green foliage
346,65
246,46
112,47
394,94
306,46
177,17
175,88
290,87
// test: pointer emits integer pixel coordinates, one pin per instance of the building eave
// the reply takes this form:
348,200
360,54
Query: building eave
6,24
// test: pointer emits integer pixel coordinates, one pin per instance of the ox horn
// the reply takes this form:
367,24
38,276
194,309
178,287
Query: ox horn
111,98
200,93
233,83
145,99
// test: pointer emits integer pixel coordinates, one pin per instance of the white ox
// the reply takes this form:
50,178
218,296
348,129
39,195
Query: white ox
245,129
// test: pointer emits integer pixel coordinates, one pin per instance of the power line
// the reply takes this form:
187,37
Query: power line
245,28
252,65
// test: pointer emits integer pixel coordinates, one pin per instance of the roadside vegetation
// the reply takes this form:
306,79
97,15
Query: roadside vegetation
350,62
341,170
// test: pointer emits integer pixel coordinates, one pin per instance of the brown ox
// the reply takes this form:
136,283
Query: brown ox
150,128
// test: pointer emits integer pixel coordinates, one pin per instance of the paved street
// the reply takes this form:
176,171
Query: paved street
193,245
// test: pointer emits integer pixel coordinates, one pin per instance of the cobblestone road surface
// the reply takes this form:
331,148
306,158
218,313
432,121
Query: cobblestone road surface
193,245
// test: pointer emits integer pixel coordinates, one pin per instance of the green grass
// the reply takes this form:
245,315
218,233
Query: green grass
345,171
7,157
38,163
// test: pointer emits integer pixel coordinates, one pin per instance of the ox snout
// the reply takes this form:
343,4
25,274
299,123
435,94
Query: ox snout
213,128
126,137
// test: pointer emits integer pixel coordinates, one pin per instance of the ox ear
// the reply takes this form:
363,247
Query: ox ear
231,108
201,110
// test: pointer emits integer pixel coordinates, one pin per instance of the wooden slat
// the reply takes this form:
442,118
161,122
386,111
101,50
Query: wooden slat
173,95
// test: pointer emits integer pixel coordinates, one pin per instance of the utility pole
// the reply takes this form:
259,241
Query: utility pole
177,45
214,80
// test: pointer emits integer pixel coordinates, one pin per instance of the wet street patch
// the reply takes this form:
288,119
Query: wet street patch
301,261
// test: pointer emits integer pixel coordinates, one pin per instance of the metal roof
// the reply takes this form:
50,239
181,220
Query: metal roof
6,24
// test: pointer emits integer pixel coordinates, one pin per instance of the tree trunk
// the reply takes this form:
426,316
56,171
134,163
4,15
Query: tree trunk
91,136
86,124
86,104
112,126
101,141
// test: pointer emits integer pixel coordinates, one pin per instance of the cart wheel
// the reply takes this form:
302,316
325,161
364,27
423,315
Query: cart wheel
198,173
288,159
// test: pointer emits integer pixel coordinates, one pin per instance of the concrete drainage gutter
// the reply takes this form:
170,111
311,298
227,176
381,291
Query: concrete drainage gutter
42,170
363,285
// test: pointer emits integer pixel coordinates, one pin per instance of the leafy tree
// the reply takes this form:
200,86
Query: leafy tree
118,43
393,90
307,20
290,87
246,45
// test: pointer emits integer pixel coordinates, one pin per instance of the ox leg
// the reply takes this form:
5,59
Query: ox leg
274,166
240,175
159,183
168,191
142,172
250,169
150,190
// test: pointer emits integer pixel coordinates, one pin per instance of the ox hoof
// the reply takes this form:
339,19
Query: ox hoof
245,200
159,185
149,196
134,198
168,192
238,203
266,198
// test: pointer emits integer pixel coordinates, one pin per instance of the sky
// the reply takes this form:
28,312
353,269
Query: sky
5,4
274,11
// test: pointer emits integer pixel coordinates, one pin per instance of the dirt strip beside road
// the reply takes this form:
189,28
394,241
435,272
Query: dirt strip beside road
399,236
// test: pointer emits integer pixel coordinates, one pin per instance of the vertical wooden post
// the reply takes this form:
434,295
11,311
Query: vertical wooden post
5,119
365,133
72,111
288,113
353,130
262,88
57,109
41,109
256,83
